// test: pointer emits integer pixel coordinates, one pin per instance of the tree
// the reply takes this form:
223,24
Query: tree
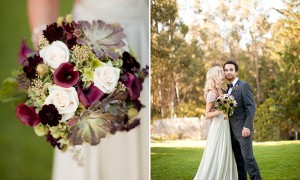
285,48
163,24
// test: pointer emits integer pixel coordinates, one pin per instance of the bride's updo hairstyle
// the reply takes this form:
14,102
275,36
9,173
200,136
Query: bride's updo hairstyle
214,81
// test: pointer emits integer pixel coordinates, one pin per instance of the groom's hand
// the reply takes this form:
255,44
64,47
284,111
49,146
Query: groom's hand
245,132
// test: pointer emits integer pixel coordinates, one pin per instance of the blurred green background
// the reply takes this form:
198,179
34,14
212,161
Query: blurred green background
23,154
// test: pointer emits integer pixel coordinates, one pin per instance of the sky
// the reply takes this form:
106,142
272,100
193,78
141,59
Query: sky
185,11
186,8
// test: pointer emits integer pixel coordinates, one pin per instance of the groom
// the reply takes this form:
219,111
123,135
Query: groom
241,123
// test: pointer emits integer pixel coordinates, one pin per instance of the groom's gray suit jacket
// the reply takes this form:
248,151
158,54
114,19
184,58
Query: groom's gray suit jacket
243,115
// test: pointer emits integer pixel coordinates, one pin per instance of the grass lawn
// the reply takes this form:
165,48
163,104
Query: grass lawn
278,160
23,155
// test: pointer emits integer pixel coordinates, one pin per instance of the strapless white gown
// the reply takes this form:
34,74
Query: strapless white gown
125,155
218,161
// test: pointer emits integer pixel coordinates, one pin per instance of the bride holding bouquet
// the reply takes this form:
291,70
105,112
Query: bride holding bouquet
218,160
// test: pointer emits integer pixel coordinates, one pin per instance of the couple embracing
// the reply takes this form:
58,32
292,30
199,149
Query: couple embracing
228,153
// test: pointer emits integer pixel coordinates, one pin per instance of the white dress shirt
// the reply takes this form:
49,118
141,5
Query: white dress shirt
233,83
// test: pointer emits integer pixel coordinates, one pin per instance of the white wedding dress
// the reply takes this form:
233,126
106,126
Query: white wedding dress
218,161
125,155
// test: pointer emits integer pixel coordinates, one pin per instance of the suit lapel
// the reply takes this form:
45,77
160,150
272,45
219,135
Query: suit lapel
235,87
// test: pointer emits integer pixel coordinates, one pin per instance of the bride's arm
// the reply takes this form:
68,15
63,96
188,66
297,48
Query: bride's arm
211,114
41,13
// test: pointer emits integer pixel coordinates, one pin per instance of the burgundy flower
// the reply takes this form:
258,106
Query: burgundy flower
49,115
54,142
31,64
53,32
30,72
90,95
35,60
69,26
24,52
65,76
72,41
27,115
133,85
129,63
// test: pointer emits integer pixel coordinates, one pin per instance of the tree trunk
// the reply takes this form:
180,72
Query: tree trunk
173,97
256,68
257,77
296,131
162,101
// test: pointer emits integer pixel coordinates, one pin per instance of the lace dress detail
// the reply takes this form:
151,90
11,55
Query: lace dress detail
211,97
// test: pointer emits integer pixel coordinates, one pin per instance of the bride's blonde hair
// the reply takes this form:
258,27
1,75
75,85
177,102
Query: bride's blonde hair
214,81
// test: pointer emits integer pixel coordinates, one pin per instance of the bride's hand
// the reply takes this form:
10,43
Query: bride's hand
36,35
225,114
220,112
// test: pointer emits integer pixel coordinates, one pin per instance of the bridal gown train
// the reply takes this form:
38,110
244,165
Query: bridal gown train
125,155
218,161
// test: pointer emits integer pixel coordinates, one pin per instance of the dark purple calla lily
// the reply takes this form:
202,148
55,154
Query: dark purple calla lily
133,85
65,76
90,95
27,115
24,52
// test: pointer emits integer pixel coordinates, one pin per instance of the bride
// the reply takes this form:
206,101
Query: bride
124,155
218,160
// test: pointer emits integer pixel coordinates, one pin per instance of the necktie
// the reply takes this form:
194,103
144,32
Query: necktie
229,86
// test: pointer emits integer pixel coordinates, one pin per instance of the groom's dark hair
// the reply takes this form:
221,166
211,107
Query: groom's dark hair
232,62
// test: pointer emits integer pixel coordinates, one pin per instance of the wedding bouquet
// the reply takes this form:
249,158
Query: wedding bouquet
226,103
80,85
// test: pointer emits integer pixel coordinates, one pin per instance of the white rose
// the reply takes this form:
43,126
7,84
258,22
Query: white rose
55,54
64,99
106,78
